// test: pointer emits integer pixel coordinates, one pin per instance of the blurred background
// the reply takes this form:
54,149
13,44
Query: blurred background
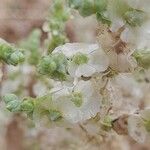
18,19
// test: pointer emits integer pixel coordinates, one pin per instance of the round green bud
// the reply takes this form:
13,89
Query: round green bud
16,58
13,106
27,106
100,5
52,66
80,58
9,97
87,8
47,65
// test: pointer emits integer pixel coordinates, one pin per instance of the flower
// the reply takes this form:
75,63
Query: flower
85,59
78,103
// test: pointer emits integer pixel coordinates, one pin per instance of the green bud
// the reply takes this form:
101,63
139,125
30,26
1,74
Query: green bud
27,106
54,115
135,17
9,54
43,103
77,99
47,65
88,7
56,40
80,58
9,97
100,5
13,106
5,50
54,65
16,58
143,58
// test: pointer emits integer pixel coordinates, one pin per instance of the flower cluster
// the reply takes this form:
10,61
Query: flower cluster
91,80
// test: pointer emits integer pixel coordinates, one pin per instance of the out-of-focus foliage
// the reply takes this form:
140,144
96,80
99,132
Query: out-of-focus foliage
31,45
59,14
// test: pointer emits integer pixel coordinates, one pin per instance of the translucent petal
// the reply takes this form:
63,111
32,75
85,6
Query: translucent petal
85,70
72,69
70,49
125,63
78,114
85,87
99,61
